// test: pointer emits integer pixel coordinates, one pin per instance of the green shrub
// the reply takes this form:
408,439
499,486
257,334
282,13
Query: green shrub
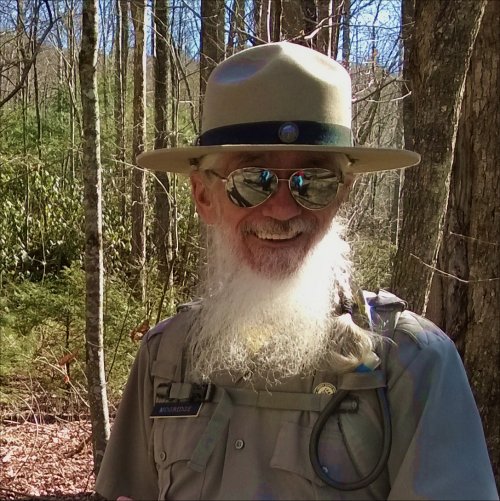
42,322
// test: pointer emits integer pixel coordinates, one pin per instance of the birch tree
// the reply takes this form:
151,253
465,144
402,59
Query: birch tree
91,165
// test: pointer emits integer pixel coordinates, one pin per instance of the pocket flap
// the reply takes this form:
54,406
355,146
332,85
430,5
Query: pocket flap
179,438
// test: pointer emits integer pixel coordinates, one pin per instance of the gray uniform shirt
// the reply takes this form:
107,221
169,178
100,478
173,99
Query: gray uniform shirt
253,442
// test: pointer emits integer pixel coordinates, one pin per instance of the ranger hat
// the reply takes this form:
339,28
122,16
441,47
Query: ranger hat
275,97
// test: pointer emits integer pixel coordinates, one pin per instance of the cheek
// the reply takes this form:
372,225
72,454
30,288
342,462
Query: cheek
230,218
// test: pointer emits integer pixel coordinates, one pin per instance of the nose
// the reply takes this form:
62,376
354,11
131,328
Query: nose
281,205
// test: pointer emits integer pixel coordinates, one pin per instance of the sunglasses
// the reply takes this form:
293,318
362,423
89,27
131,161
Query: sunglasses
312,188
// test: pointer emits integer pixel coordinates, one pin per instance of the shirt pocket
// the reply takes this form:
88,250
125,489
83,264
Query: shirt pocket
291,454
175,439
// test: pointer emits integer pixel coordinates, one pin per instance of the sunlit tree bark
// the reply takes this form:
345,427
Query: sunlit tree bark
466,301
437,76
94,271
138,8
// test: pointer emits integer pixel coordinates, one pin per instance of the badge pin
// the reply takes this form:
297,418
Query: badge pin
325,389
288,132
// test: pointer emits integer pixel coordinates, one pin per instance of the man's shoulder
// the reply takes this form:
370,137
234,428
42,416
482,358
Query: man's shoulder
414,340
420,330
185,312
413,337
390,313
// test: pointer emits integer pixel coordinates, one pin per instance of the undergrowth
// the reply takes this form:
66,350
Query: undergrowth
42,341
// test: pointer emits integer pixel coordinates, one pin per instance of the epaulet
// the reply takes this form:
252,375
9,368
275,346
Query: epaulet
195,304
157,329
160,326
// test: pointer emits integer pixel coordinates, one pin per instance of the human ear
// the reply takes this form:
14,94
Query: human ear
348,182
203,196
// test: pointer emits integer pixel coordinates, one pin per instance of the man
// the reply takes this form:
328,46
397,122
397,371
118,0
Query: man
274,386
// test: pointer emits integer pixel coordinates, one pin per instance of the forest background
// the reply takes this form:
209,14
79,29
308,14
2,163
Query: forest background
94,250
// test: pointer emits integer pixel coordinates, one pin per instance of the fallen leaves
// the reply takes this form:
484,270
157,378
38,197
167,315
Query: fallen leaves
46,460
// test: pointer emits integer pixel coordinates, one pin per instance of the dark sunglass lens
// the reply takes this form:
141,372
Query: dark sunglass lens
314,188
250,186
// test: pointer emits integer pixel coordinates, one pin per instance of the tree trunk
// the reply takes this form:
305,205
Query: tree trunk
260,21
138,8
236,39
162,226
324,38
211,53
275,16
468,302
437,78
211,40
120,98
91,164
346,33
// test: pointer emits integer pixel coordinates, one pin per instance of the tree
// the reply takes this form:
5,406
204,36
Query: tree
163,230
437,76
91,163
121,57
236,38
138,10
211,40
28,41
466,300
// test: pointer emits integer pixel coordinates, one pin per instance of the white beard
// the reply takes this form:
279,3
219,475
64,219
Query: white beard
259,327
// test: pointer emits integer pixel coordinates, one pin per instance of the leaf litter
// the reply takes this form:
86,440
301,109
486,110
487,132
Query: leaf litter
46,460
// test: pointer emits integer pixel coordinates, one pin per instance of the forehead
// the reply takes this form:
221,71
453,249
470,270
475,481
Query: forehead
277,160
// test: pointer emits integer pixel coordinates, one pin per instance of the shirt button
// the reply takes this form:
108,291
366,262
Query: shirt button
163,455
239,444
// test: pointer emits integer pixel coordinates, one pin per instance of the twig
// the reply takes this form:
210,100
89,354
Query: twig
441,272
474,239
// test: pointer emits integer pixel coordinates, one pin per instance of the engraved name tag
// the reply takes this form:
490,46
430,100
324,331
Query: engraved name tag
176,409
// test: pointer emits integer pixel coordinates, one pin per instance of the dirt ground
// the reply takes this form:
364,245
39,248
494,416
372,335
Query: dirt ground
40,460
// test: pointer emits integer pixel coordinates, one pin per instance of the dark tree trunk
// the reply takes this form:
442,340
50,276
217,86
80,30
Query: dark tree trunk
437,76
138,8
467,300
162,226
121,52
211,40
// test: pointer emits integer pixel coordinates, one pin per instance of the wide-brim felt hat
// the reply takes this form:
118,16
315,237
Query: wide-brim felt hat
278,97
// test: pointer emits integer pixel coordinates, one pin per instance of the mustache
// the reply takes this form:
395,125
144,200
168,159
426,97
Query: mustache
295,225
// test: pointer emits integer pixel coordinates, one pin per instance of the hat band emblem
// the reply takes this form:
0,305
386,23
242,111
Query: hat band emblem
288,132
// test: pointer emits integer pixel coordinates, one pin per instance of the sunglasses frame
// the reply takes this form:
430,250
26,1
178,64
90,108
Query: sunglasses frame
226,179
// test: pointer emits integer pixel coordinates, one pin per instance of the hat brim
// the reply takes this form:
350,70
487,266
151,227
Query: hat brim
363,159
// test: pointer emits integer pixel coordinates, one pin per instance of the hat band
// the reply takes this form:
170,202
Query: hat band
299,132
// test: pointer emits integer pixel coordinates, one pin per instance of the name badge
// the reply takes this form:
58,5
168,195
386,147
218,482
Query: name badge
176,409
